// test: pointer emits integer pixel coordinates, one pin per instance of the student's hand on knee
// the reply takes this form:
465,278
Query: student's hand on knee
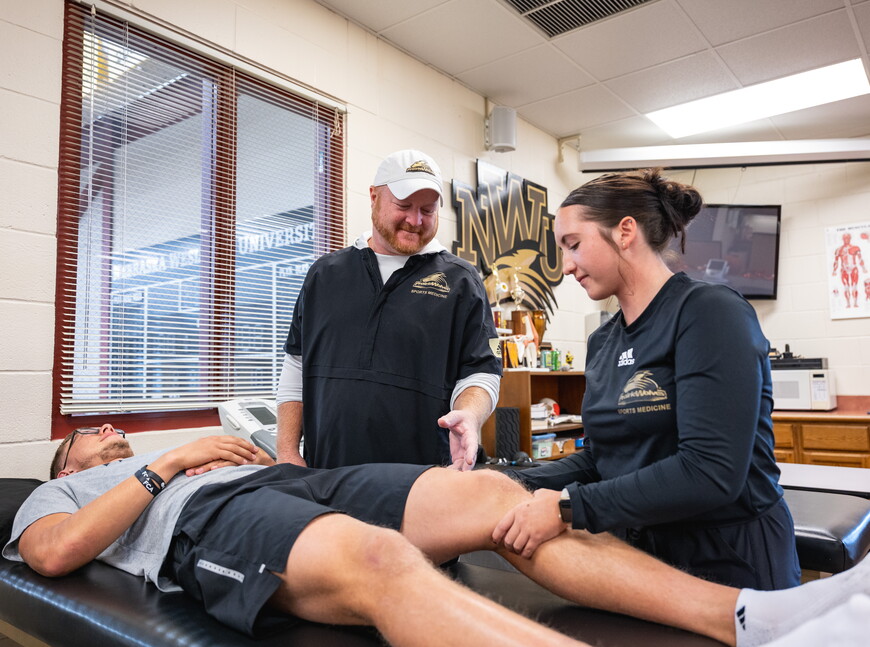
528,525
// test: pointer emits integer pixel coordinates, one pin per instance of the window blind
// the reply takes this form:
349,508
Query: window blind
193,198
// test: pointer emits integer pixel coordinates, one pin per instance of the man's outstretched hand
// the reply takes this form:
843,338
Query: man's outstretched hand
464,438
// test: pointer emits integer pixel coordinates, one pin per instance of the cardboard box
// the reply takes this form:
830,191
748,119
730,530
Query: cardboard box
563,446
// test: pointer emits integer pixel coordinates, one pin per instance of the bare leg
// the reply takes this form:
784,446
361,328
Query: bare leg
343,571
450,513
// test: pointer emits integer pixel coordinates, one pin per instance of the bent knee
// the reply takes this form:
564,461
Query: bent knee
384,552
338,560
498,485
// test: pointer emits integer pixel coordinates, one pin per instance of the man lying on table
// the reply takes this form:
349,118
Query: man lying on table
355,545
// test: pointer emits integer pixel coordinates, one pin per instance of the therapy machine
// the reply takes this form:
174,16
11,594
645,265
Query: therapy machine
252,418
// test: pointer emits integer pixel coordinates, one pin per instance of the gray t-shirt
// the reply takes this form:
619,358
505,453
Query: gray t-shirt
140,550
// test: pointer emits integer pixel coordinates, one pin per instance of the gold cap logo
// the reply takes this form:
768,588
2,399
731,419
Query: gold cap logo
420,167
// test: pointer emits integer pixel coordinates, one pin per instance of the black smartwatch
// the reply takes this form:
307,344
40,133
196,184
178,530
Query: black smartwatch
565,506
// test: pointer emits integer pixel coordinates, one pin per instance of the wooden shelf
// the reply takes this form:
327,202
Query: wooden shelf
563,429
521,388
559,455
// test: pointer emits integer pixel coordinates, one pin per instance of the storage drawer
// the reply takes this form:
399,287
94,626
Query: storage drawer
783,434
839,459
784,456
837,437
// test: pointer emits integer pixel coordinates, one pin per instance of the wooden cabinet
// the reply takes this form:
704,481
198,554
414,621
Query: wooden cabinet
784,446
841,459
836,444
521,388
839,437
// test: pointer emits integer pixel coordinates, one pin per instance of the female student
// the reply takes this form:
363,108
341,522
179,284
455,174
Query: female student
678,458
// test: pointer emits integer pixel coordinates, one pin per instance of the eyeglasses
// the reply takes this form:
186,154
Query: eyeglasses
85,431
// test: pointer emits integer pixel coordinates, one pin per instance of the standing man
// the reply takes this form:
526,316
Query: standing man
392,348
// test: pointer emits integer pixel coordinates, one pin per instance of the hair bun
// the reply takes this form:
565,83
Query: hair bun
681,202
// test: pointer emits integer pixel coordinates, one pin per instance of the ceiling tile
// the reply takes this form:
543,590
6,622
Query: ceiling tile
461,35
571,113
632,41
379,15
633,131
761,130
693,77
848,118
532,75
862,17
640,131
597,79
724,22
797,48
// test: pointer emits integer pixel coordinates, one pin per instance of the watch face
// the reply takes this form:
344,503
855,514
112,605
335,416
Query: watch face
565,509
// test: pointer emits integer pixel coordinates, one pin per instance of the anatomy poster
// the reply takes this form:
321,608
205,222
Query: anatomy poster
848,254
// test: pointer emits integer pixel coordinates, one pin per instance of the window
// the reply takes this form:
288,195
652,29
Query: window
193,198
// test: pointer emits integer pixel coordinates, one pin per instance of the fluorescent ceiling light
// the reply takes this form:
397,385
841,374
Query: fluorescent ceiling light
804,90
806,151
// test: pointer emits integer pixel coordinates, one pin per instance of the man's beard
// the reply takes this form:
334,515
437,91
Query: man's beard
110,450
391,236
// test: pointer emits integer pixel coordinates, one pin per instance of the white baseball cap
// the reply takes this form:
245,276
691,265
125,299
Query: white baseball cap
408,171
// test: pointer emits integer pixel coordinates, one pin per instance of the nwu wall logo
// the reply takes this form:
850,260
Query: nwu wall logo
626,358
504,224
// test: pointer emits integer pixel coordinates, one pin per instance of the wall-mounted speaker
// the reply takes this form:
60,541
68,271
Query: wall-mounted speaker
501,130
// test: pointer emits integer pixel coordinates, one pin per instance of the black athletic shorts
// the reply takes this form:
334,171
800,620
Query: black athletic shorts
230,537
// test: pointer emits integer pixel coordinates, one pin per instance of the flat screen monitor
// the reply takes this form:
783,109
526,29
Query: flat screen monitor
734,244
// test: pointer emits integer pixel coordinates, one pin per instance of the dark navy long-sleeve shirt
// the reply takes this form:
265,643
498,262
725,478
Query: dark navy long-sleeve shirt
677,417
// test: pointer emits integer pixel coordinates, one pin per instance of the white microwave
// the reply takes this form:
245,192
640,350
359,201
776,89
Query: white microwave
804,389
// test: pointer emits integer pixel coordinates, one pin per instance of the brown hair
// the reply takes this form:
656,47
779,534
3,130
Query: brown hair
56,462
662,207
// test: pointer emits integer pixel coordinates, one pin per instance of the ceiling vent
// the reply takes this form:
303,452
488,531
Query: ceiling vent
555,17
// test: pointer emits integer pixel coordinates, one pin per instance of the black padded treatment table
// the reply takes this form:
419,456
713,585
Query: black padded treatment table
100,605
831,506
